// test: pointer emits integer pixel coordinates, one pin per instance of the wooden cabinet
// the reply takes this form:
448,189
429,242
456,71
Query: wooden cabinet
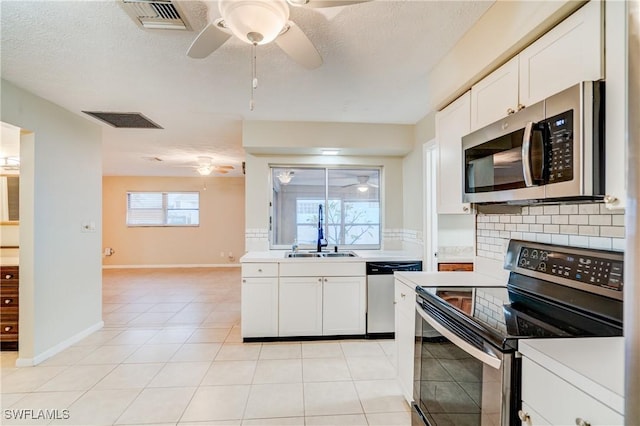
541,391
259,300
344,305
452,123
9,307
300,306
569,53
405,329
448,267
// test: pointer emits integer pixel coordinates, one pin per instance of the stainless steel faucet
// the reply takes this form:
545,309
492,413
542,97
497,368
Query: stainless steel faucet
321,241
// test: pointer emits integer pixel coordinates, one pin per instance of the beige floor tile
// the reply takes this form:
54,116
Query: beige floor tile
331,398
133,337
278,371
275,400
180,374
191,352
110,307
135,307
381,396
217,403
153,353
389,419
99,407
209,335
278,421
109,354
167,307
8,399
237,422
99,337
371,368
172,335
322,350
69,356
28,379
151,318
280,351
187,318
79,377
362,349
325,370
157,405
223,318
239,352
129,376
118,318
230,373
235,336
343,420
58,401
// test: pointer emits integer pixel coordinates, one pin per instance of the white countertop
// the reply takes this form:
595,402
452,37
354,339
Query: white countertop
595,365
449,279
361,255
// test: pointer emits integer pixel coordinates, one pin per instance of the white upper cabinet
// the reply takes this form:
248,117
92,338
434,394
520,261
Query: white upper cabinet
452,123
568,54
495,96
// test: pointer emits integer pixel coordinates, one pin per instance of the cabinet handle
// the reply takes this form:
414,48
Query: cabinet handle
465,209
7,301
8,277
8,328
520,107
319,280
610,199
244,281
259,270
524,417
582,422
402,295
325,280
511,111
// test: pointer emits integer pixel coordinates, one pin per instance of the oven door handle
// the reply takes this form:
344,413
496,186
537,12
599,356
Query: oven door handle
479,354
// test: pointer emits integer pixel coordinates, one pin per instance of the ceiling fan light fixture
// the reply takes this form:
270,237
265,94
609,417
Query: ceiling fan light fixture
285,176
297,2
363,188
204,170
255,21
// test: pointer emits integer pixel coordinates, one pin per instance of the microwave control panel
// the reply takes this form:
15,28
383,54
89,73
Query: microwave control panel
591,270
560,139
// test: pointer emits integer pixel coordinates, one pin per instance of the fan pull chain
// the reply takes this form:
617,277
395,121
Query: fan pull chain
254,77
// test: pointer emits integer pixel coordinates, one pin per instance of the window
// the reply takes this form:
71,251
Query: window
163,208
350,199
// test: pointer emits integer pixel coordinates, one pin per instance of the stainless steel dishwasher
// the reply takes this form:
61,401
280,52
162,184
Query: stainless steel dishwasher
380,308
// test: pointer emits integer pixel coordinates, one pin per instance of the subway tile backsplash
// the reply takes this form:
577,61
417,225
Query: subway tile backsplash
589,225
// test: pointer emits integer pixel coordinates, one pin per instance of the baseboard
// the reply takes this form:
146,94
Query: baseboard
179,265
29,362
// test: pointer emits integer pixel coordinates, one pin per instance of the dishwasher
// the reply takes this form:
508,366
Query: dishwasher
380,307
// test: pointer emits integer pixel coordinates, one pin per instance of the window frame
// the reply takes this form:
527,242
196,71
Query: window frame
326,169
165,210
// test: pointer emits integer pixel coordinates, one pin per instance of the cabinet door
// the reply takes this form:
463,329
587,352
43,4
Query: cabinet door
300,303
495,96
452,123
344,305
568,54
259,307
404,299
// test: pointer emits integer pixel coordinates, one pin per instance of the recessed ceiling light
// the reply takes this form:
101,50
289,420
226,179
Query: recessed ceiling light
330,152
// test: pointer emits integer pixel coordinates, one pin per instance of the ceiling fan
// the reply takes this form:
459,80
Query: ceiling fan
363,184
205,166
258,22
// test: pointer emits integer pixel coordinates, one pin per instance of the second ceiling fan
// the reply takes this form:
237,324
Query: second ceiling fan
258,22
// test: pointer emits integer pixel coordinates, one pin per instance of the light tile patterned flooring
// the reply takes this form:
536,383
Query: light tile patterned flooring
171,353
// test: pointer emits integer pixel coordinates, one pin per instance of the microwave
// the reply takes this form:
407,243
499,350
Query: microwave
550,151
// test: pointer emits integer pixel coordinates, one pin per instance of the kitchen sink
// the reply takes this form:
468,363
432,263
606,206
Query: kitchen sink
308,254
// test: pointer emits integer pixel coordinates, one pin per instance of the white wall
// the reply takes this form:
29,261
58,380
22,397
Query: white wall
60,189
456,230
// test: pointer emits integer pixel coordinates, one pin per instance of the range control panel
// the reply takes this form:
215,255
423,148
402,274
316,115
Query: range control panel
591,270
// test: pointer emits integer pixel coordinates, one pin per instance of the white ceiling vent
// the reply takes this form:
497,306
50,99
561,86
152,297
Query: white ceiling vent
156,14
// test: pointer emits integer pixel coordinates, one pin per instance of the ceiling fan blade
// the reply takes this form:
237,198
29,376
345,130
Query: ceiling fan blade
224,167
209,39
297,45
333,3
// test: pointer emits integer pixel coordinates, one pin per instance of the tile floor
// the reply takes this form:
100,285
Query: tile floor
171,354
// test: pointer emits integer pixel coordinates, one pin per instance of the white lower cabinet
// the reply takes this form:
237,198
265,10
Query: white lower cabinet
300,306
553,400
259,300
343,305
404,299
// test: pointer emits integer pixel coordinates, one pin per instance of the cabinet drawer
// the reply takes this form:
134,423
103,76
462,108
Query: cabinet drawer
542,388
468,267
9,330
322,268
9,273
260,269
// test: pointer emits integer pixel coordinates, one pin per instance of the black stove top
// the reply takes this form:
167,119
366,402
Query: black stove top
553,291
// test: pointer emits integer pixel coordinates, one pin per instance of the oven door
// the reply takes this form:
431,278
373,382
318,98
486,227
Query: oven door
459,380
506,160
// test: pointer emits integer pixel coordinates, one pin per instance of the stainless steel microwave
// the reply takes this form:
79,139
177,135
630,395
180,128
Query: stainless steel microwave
550,151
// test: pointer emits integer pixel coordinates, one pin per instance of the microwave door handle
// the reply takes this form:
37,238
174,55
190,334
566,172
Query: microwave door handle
526,154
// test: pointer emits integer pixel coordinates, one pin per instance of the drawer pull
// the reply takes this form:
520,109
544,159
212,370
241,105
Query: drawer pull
511,111
8,328
582,422
7,301
8,276
259,269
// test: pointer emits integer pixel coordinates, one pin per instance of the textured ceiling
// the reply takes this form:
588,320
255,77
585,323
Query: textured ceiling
90,55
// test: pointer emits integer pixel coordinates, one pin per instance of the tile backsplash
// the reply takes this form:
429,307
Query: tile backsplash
589,225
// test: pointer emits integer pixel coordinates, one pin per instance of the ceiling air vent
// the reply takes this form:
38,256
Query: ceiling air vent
156,14
124,120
